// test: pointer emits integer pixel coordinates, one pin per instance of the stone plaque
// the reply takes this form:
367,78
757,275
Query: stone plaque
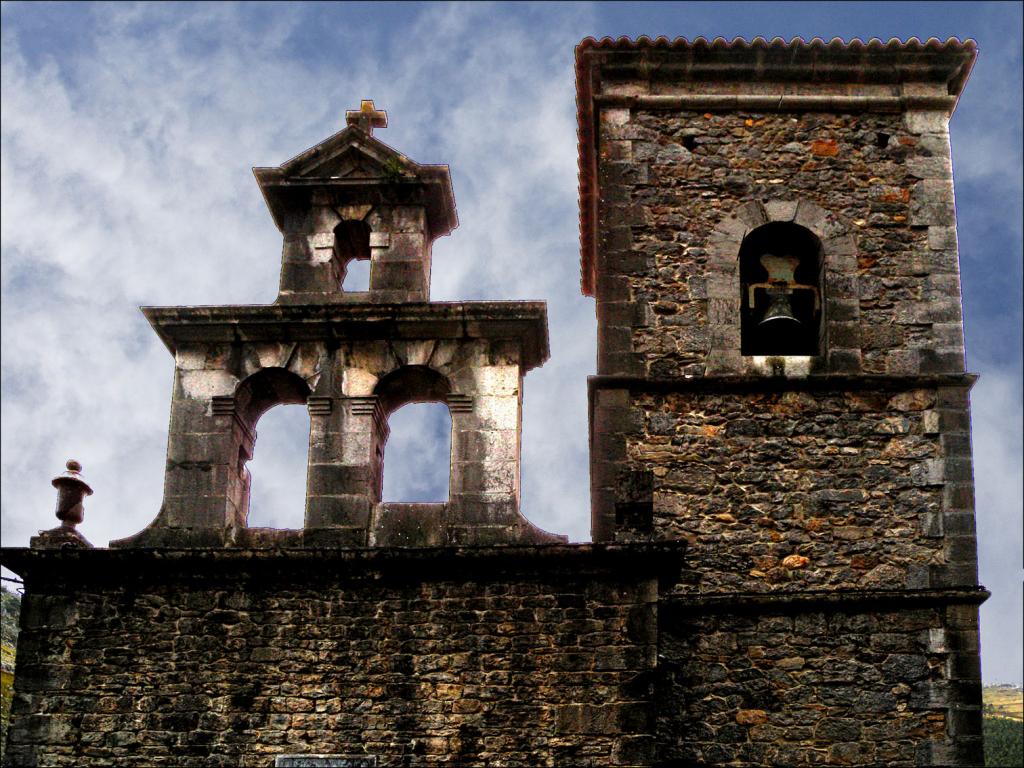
325,761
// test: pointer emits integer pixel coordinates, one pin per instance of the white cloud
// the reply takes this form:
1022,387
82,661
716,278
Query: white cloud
997,418
125,181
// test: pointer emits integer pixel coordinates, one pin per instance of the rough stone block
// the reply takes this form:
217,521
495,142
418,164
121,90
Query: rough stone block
402,276
339,479
203,385
941,361
308,277
486,445
926,121
409,525
780,210
902,362
936,167
497,412
931,203
942,238
348,511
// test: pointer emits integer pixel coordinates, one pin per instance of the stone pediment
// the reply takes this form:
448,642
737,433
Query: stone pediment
354,166
352,154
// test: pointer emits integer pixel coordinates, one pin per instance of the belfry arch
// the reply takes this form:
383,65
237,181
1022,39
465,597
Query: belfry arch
255,395
352,358
827,252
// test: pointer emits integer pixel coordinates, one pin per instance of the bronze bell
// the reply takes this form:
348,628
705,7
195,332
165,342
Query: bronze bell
780,308
71,490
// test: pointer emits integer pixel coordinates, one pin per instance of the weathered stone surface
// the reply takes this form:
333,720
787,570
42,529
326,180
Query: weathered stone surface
464,657
824,609
870,206
803,477
799,685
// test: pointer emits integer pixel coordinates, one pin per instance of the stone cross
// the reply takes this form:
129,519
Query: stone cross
367,116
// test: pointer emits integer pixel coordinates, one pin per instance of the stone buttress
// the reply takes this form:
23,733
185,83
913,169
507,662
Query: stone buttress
769,232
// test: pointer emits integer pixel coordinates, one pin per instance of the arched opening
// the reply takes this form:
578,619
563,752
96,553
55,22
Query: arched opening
286,434
277,495
417,458
352,256
417,436
781,302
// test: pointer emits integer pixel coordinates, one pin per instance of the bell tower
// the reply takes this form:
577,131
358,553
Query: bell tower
769,231
353,358
353,198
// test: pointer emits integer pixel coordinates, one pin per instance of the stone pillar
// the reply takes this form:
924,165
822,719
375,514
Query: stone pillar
347,436
206,447
308,265
485,450
400,254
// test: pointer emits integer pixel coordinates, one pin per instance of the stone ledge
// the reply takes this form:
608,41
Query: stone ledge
522,321
757,602
491,563
819,382
782,102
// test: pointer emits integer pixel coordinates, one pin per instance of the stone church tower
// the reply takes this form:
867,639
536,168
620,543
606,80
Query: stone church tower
784,565
769,232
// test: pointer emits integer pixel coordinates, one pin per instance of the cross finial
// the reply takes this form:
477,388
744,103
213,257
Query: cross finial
367,116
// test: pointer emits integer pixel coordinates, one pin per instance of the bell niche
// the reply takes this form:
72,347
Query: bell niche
780,279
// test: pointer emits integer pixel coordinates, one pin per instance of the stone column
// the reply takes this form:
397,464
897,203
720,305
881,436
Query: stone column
400,253
205,483
347,436
308,265
485,452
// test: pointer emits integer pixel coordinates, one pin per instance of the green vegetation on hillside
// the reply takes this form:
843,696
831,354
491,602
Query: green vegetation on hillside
1004,742
1004,725
10,608
1004,701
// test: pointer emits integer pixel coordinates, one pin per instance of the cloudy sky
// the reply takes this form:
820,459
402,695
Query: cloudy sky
127,137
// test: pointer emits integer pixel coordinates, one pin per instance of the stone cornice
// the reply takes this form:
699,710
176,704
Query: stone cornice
816,60
799,602
77,567
741,384
524,322
779,102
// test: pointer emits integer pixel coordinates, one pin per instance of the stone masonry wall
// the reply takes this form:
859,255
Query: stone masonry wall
786,488
842,687
794,490
673,188
414,664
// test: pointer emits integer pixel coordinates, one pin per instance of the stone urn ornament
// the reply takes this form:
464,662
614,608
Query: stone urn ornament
71,491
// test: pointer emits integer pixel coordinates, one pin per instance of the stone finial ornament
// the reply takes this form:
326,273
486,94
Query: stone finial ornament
71,490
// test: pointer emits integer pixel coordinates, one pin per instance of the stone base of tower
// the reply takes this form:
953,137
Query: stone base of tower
859,678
